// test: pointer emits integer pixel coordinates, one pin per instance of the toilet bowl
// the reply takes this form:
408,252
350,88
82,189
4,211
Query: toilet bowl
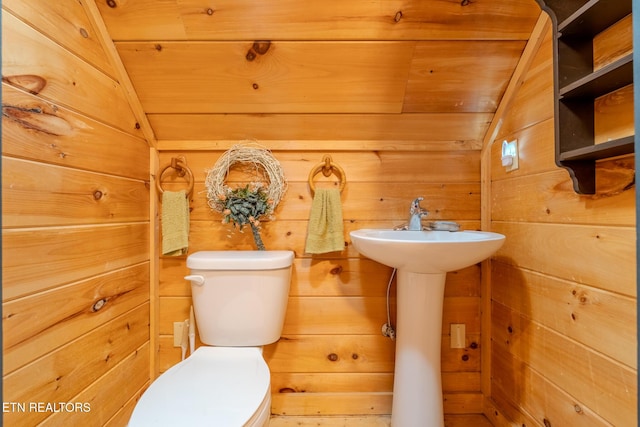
239,300
215,386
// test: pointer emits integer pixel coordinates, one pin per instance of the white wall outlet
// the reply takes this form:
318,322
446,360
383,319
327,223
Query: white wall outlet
178,330
458,335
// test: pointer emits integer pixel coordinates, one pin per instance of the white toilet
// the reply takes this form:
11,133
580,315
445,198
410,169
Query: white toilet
239,300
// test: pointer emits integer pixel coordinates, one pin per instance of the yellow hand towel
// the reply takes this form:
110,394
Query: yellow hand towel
175,223
325,233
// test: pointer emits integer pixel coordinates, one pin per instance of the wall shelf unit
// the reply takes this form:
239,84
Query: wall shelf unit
578,85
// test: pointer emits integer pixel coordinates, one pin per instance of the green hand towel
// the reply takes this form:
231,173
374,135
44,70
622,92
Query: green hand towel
175,223
325,233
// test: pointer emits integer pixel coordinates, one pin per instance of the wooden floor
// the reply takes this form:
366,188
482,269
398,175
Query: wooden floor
371,421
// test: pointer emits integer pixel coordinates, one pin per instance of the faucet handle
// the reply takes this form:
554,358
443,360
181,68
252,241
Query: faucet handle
415,205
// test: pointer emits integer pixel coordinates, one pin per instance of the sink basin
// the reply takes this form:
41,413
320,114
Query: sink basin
426,251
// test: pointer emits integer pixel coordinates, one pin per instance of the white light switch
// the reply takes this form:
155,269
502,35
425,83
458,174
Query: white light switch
458,337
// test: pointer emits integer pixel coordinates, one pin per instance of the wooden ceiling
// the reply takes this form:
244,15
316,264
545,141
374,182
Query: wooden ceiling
281,69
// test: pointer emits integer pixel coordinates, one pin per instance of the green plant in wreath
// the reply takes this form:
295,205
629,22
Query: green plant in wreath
244,206
248,204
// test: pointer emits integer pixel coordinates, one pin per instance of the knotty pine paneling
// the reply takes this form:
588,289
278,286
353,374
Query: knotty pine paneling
440,68
594,380
345,315
346,77
537,394
117,392
76,226
332,358
407,169
371,421
614,43
32,329
599,256
534,98
571,309
62,374
50,17
386,198
549,199
330,277
35,63
281,73
326,20
362,382
564,319
38,259
37,194
331,404
337,77
313,132
614,115
61,136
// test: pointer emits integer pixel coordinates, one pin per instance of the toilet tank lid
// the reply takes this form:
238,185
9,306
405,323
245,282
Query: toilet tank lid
239,260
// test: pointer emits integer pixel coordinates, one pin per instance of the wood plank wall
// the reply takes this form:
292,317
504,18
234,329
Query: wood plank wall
332,358
75,225
564,285
76,261
401,128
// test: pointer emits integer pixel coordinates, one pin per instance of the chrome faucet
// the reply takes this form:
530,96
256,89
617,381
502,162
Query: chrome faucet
415,215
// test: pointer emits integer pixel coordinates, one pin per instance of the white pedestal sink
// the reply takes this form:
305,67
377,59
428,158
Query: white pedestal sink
422,258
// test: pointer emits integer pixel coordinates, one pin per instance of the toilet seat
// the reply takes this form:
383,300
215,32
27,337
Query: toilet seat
215,386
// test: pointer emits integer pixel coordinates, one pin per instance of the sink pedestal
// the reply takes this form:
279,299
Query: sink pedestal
417,387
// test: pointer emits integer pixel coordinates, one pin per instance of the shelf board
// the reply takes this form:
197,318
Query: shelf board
593,17
607,79
617,147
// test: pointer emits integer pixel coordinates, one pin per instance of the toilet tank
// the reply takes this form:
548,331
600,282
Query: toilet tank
240,297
